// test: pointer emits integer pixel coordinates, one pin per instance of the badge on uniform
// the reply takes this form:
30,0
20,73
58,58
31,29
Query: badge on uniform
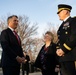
66,25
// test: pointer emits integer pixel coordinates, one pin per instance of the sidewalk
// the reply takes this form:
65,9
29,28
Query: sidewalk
37,73
34,73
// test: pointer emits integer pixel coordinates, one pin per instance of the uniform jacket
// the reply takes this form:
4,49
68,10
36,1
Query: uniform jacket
11,48
67,39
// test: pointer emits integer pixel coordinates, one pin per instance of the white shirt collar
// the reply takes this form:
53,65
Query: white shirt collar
11,28
66,18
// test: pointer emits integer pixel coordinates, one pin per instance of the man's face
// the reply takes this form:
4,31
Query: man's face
62,14
13,22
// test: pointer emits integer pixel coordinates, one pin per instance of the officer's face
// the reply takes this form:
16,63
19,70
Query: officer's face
62,14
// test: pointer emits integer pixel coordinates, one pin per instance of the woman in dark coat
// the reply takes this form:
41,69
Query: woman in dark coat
46,59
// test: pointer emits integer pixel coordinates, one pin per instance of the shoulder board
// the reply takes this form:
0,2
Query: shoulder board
74,17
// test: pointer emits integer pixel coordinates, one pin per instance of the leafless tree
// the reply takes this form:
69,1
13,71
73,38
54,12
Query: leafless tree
25,29
53,28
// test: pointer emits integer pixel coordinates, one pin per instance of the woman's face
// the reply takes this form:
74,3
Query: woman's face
47,38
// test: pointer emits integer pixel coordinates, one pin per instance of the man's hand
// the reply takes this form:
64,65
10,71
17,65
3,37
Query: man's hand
57,69
24,60
20,59
60,52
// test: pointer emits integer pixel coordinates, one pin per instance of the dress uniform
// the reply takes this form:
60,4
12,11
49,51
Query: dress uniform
67,42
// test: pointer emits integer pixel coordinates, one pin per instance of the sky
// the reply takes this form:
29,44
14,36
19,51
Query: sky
40,11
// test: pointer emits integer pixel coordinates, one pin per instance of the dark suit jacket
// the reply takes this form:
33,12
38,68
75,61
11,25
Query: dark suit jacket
67,39
11,48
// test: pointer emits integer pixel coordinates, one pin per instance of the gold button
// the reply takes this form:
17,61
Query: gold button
68,26
66,32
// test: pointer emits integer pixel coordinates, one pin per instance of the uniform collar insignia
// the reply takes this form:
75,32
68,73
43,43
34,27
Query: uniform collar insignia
66,24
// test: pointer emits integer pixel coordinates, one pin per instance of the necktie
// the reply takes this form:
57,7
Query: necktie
15,33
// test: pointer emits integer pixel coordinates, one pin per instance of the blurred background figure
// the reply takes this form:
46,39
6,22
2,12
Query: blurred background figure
25,66
46,59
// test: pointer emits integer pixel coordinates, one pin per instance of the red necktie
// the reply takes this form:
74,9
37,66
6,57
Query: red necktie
15,33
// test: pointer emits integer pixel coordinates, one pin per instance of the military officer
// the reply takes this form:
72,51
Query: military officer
66,46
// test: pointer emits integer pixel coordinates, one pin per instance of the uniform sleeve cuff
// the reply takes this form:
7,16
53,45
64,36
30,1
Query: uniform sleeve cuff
65,48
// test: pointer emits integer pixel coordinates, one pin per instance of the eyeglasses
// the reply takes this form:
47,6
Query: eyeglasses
46,36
